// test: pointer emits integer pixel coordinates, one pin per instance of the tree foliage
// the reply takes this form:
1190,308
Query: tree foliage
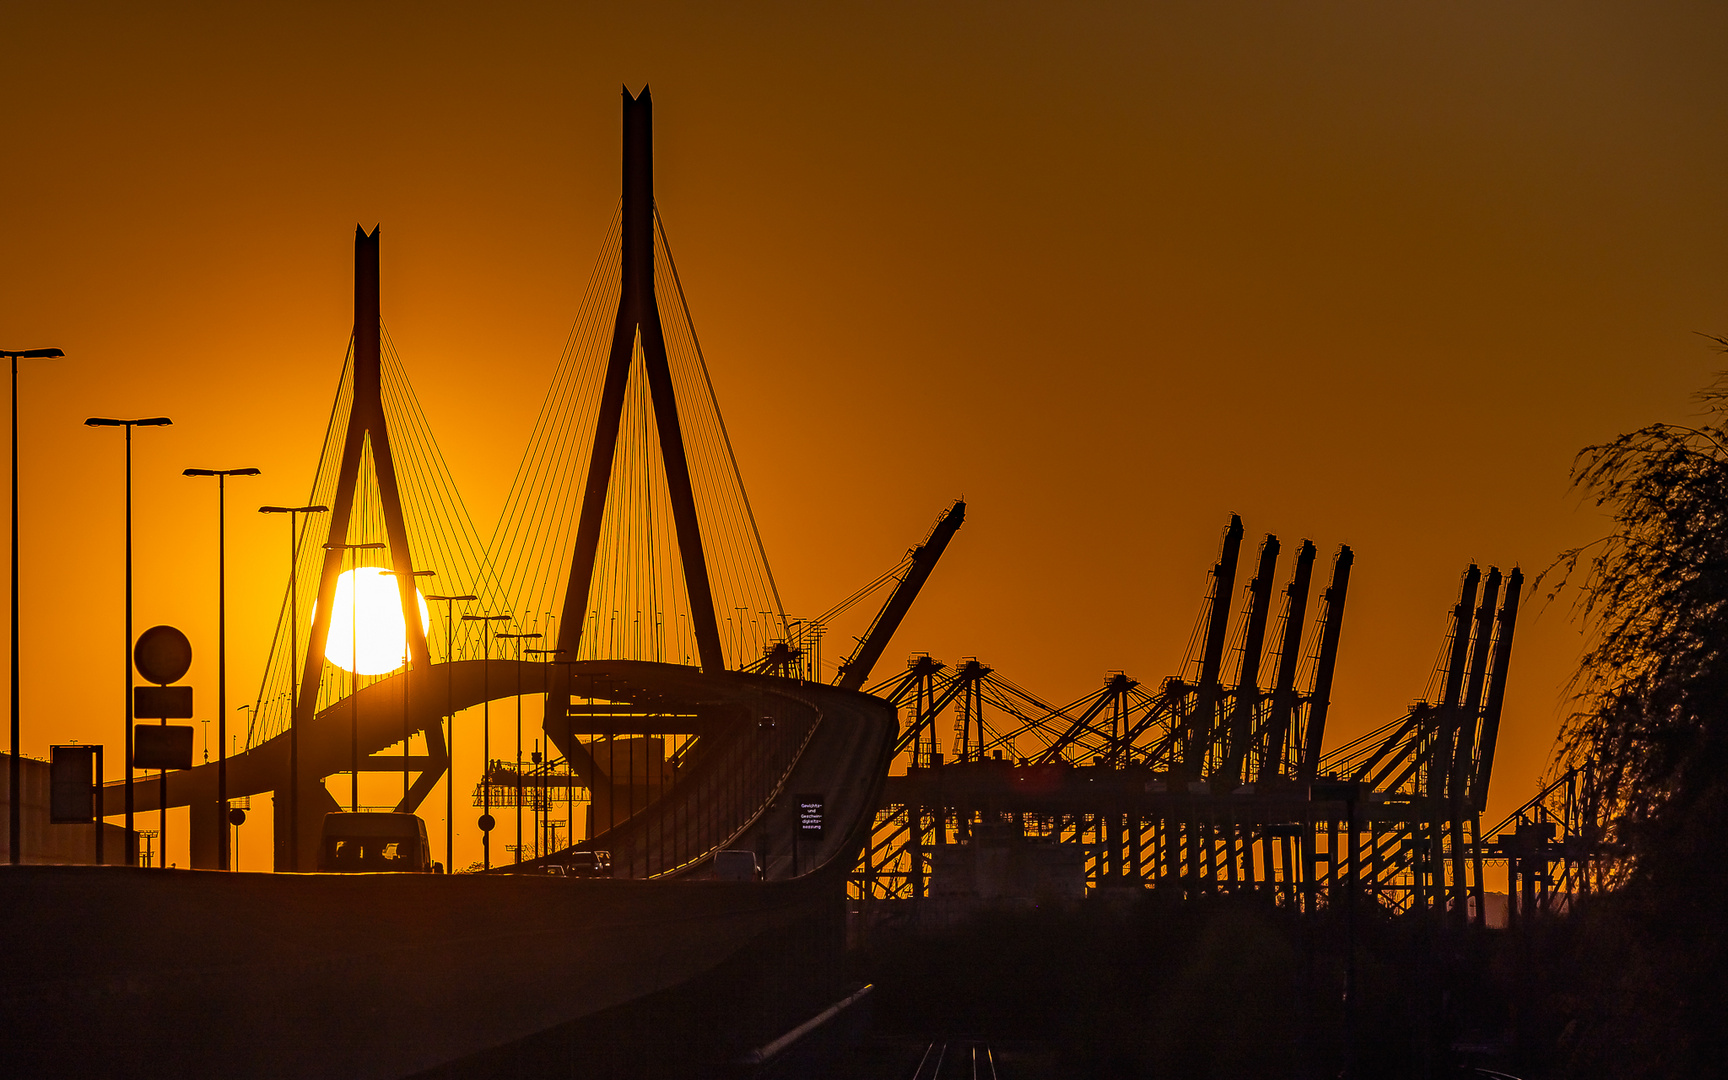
1651,732
1652,726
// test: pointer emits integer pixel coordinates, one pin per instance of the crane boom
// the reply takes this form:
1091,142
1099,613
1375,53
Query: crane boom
1320,690
923,559
1239,729
1212,659
1496,689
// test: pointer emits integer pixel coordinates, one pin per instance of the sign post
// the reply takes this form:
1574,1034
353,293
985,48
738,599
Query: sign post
162,655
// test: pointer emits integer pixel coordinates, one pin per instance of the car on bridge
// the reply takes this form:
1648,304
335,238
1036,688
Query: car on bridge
737,866
589,864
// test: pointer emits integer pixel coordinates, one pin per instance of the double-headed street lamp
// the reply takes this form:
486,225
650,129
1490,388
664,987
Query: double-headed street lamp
148,421
293,513
221,476
486,821
15,836
519,639
450,737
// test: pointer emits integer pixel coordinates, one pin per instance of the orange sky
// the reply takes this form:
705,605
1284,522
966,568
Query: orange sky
1362,273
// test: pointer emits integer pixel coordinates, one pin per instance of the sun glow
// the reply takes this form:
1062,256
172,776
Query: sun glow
367,635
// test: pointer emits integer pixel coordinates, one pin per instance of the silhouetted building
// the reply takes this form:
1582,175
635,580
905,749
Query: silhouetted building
999,867
45,844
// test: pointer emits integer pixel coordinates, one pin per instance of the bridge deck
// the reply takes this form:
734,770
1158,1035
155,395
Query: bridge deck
118,971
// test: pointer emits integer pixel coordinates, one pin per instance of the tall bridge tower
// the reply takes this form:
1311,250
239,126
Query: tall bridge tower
639,320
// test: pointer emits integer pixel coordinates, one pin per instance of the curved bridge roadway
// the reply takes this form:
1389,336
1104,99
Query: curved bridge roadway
375,713
727,705
127,972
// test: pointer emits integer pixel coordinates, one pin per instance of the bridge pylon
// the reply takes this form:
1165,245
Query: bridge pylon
639,319
367,429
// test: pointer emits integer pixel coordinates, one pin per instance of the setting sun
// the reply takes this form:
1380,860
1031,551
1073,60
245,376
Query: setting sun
367,635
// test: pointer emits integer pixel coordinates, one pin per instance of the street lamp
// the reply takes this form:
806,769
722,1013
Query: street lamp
450,739
405,669
486,821
221,476
105,421
15,835
568,795
519,639
354,672
236,816
293,513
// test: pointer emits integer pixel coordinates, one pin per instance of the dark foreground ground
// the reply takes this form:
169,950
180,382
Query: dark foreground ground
959,1057
1631,984
1207,988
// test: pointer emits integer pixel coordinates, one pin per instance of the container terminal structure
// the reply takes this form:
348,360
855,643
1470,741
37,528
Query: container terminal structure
1219,781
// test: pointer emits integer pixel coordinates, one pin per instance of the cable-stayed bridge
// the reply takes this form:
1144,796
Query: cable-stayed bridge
626,557
626,584
626,539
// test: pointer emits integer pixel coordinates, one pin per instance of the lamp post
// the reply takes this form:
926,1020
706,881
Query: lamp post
251,721
566,707
354,672
450,738
105,421
486,821
405,658
568,683
221,476
15,834
236,816
293,513
519,639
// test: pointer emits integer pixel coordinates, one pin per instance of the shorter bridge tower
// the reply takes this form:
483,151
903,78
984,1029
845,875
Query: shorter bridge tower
301,813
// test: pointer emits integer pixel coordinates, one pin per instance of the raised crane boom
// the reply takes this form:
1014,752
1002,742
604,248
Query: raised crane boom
923,560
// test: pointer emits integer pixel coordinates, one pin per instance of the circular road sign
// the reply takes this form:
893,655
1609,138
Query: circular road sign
486,823
162,654
236,816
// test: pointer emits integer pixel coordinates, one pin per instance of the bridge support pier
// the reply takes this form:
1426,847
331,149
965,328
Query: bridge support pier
314,802
206,826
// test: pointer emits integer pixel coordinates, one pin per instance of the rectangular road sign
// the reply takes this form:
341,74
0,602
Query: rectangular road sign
810,811
161,746
162,702
71,784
